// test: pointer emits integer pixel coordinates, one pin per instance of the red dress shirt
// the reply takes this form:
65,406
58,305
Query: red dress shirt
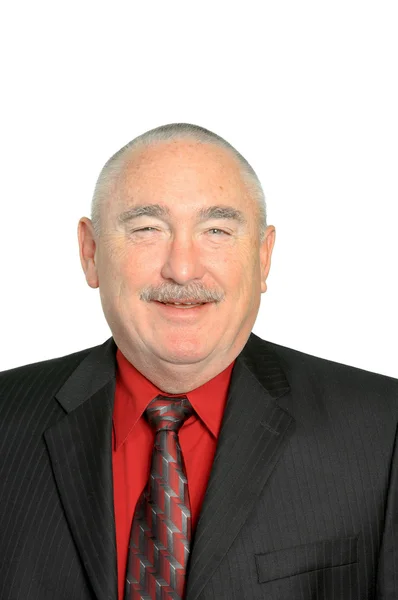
133,438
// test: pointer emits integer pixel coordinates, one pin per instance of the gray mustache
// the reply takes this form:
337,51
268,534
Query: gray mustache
177,293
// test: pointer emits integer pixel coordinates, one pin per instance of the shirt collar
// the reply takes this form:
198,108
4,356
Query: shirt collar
134,392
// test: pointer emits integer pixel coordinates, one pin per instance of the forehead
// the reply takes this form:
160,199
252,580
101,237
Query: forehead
183,171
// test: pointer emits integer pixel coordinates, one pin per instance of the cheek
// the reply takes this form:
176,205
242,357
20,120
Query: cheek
237,271
122,267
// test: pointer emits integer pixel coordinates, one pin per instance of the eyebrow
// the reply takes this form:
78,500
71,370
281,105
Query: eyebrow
161,212
222,212
143,210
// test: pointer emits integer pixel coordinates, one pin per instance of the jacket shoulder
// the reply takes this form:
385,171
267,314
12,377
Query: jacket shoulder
327,373
322,391
47,373
304,371
293,356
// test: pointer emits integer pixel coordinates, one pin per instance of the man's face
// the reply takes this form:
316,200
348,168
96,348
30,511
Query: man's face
179,227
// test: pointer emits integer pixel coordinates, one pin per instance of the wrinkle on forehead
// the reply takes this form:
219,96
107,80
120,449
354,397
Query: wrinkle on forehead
163,212
186,167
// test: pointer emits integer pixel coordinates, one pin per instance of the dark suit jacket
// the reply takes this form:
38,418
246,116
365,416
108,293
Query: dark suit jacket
302,501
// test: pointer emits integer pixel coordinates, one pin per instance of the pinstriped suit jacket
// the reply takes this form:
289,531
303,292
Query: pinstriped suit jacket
302,501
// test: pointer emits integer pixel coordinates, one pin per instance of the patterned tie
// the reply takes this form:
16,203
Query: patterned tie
161,529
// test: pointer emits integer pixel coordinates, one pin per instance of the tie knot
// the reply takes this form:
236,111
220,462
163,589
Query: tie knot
168,413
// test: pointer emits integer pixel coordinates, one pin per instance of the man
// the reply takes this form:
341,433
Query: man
185,457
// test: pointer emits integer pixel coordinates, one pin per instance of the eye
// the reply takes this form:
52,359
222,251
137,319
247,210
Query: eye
143,229
216,231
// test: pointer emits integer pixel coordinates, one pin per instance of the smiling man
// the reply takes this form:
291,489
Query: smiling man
186,458
182,256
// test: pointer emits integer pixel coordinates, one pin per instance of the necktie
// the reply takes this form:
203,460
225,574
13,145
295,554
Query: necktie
161,530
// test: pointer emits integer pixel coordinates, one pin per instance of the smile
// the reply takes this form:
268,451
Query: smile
182,310
183,304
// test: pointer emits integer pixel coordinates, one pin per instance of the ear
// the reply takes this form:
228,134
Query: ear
266,248
87,251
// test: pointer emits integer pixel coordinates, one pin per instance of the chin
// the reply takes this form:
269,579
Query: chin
184,352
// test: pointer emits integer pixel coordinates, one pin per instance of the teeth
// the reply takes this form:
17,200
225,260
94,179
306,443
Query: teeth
183,303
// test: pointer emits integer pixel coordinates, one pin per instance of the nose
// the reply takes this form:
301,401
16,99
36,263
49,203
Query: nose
183,262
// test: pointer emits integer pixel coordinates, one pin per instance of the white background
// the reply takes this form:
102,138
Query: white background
307,91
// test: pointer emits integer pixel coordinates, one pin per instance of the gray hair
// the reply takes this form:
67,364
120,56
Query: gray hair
170,132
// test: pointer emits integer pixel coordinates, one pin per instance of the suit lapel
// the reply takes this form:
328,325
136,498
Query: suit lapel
80,448
253,435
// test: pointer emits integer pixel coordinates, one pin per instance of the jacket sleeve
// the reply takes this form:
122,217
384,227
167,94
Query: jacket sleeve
387,579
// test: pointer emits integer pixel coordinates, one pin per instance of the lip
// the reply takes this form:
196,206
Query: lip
182,304
182,312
